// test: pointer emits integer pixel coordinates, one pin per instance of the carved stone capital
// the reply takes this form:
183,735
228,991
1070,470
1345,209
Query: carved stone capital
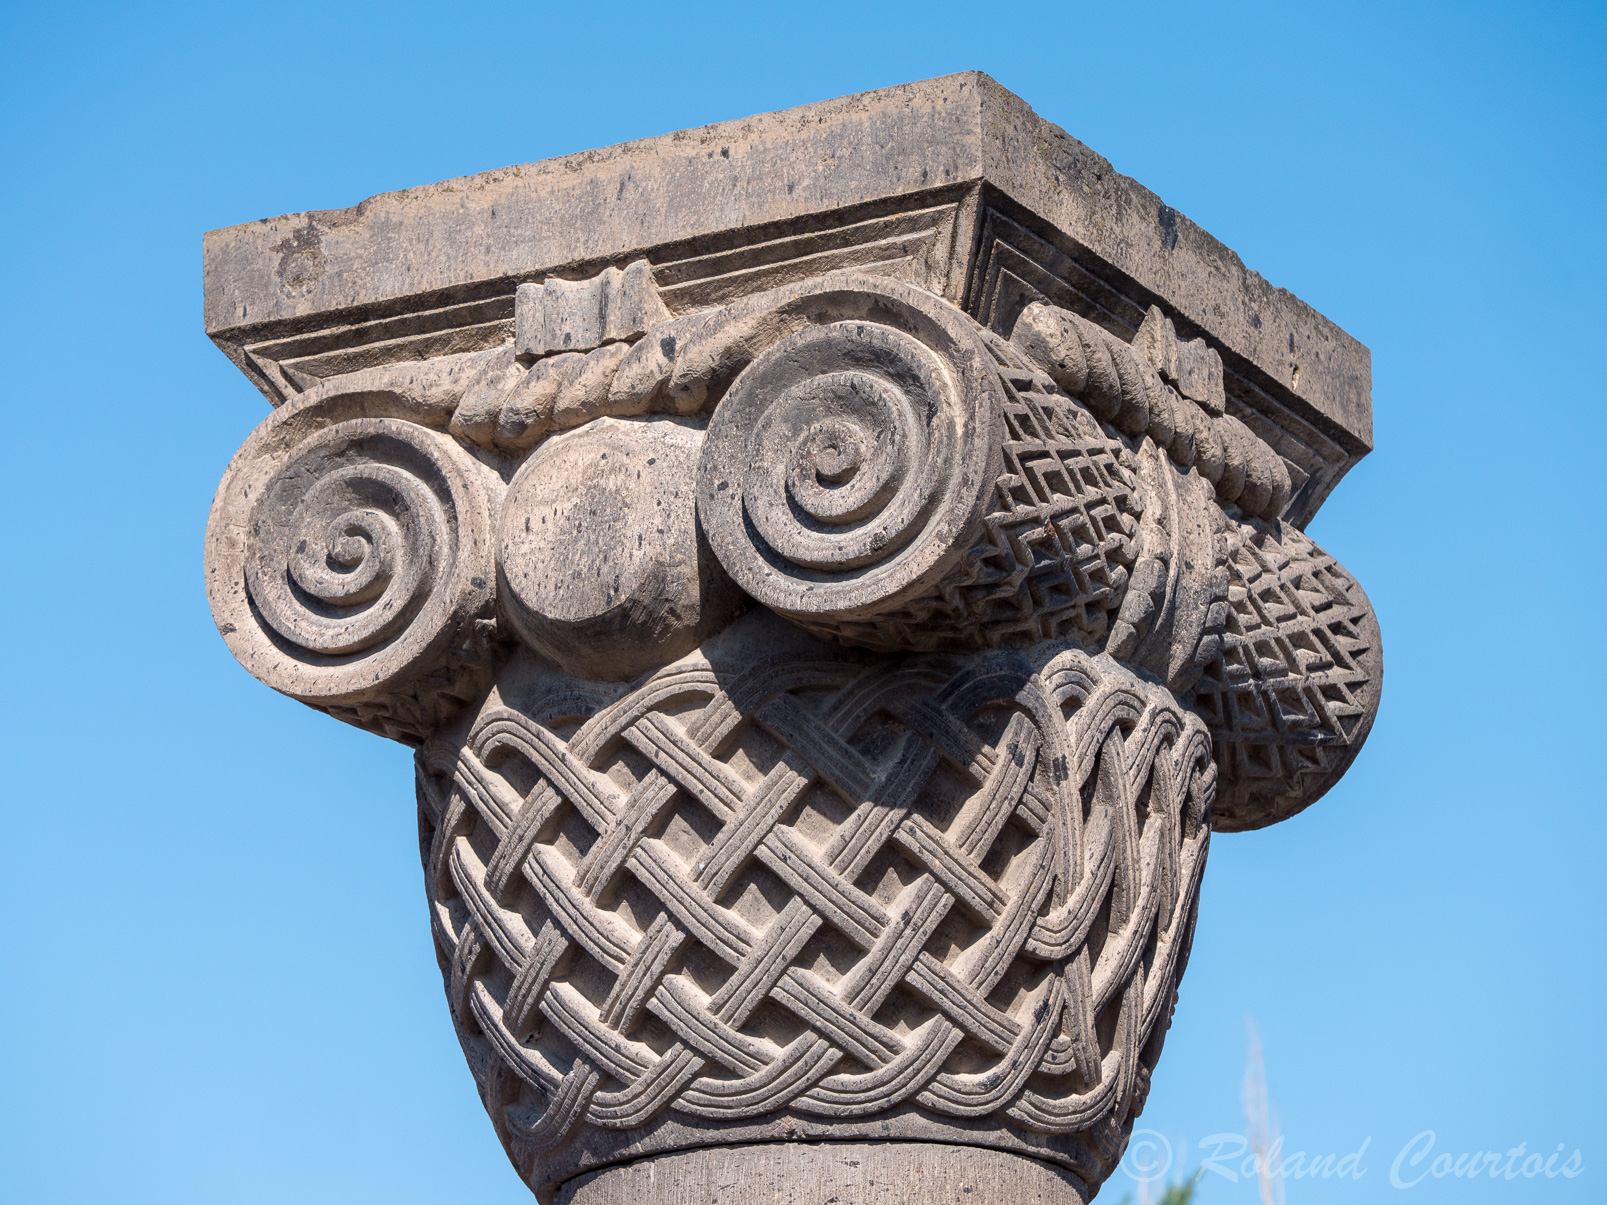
824,681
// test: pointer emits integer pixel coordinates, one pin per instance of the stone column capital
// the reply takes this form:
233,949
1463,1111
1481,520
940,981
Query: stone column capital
828,641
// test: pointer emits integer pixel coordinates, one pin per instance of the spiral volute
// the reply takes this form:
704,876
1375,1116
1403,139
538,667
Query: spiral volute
849,462
351,563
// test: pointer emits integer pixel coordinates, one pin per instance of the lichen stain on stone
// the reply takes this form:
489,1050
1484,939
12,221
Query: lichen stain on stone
301,260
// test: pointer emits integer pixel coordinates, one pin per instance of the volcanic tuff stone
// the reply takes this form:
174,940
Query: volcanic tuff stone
836,571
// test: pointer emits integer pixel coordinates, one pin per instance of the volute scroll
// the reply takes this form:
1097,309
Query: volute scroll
351,563
848,463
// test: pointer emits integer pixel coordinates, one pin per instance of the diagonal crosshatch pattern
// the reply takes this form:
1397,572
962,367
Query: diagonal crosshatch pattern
1057,544
1292,693
818,888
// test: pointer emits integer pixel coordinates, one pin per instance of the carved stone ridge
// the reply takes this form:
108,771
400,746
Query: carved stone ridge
824,685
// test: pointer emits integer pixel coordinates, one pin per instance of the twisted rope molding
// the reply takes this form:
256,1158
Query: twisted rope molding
1120,387
817,887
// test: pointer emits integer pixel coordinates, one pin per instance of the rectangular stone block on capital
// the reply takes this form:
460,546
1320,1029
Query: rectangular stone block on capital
836,569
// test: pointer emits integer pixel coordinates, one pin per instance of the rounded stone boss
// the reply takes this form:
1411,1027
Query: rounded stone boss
823,701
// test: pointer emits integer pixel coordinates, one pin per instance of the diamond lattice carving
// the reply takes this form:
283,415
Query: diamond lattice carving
1292,692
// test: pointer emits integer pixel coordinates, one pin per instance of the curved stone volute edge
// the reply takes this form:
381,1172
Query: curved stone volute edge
1293,688
855,445
349,558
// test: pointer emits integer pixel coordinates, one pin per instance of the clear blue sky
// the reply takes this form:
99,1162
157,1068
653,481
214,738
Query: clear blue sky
218,984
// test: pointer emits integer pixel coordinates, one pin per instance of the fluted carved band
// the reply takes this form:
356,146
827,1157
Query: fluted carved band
1111,378
816,885
352,560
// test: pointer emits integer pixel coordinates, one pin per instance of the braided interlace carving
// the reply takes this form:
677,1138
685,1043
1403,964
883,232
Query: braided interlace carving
818,885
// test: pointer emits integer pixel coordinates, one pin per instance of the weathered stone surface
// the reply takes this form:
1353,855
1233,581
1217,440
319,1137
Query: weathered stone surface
1126,387
567,315
826,677
852,459
350,562
602,565
805,1173
953,184
1189,364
